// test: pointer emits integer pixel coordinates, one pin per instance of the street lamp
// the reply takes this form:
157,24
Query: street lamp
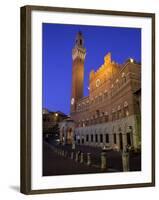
131,60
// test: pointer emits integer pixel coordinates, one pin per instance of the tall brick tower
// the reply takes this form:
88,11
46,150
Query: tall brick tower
78,57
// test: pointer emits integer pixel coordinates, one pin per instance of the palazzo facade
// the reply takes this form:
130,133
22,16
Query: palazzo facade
110,116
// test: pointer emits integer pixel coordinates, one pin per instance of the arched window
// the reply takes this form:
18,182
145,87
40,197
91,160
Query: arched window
119,114
126,109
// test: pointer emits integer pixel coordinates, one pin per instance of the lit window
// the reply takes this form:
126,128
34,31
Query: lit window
123,74
126,111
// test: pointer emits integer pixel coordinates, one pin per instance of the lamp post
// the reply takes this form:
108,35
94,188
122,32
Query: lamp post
56,117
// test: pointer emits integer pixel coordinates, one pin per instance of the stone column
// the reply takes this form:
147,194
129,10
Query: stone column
98,137
80,139
104,139
134,136
111,139
94,139
89,138
134,131
124,138
118,140
85,142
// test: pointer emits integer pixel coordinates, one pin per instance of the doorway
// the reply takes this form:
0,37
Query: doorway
121,141
128,139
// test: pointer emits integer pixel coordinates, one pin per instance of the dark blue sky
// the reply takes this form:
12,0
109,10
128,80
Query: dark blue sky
58,41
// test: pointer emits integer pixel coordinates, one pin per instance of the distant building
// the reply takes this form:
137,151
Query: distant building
51,120
67,129
110,115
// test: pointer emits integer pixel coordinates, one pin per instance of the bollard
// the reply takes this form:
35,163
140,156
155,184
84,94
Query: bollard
81,158
125,161
65,153
73,145
88,158
103,160
77,156
72,155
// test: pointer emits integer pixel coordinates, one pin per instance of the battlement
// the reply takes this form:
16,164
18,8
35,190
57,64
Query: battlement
108,63
107,58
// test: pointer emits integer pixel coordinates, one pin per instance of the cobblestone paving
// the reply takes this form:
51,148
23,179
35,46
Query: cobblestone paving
54,164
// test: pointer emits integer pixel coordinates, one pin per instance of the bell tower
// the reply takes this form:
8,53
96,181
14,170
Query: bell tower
78,57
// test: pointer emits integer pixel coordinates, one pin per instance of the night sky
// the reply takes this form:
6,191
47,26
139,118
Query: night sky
58,41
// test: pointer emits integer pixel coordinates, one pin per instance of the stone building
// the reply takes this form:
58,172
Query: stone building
51,121
67,129
110,115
